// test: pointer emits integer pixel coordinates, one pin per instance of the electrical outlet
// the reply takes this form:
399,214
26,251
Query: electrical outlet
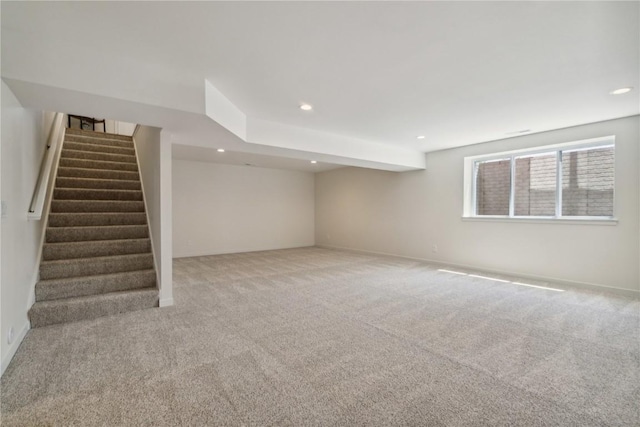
434,249
4,208
10,335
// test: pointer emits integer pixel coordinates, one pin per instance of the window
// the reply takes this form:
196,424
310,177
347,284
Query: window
574,180
587,182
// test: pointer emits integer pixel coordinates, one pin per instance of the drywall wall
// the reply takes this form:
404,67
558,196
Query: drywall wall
225,208
119,128
408,213
23,144
154,159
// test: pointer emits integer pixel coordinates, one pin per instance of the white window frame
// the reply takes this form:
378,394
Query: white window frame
471,164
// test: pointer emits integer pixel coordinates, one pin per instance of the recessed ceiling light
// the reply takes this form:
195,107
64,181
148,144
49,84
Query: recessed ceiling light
420,137
620,91
314,161
306,107
220,150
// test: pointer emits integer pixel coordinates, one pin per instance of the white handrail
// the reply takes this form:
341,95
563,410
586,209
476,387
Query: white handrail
42,184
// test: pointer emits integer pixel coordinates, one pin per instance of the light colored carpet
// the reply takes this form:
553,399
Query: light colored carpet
320,337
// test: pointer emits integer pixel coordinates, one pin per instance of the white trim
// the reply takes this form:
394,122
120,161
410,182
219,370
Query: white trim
13,347
545,220
238,251
166,302
551,280
146,211
166,217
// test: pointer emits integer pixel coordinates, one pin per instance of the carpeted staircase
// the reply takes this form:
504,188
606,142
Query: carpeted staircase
97,258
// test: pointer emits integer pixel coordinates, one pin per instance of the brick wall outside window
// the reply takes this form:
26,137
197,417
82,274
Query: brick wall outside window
493,187
587,184
535,192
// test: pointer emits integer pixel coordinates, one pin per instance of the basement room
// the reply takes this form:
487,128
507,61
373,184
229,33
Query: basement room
320,213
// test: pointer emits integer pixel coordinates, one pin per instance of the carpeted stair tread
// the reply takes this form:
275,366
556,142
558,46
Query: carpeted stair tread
51,312
111,184
96,206
93,155
98,148
74,267
77,234
82,219
96,194
74,172
85,139
93,134
47,290
94,248
97,164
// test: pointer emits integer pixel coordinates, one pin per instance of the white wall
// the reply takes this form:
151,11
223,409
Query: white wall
224,208
407,213
154,159
119,128
23,143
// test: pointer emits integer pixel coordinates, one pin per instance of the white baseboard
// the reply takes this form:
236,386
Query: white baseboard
552,280
13,347
166,302
191,254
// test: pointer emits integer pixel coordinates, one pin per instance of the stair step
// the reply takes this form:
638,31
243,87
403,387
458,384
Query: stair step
109,184
98,148
58,206
76,219
94,248
85,139
97,164
78,234
97,174
89,133
95,194
47,290
93,155
65,310
76,267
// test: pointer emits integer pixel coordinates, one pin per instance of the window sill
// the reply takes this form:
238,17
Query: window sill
538,220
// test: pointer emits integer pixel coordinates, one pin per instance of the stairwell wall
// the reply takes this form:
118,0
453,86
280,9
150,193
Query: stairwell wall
153,148
23,142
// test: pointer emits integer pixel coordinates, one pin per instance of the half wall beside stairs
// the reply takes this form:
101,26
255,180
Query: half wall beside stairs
97,257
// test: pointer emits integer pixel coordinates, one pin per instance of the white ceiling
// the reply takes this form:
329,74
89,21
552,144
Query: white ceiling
376,72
